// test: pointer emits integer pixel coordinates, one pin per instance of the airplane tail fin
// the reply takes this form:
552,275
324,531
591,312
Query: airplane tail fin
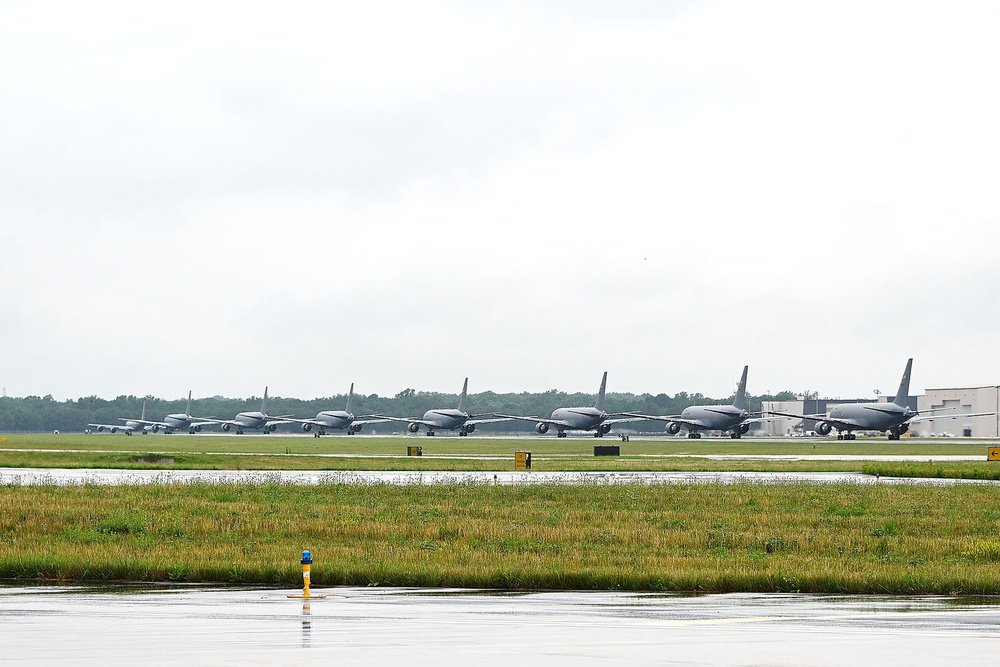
599,405
187,413
263,403
461,399
143,417
350,397
741,391
904,386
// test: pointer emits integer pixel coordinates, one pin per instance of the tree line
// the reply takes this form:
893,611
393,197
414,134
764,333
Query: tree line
44,413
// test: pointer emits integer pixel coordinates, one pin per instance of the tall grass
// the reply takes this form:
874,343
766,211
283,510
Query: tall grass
742,537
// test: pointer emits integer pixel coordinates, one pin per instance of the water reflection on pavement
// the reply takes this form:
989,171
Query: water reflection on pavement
197,625
28,476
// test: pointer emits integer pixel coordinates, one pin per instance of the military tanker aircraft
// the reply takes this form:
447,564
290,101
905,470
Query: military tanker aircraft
130,425
447,418
578,419
894,417
335,420
732,419
254,420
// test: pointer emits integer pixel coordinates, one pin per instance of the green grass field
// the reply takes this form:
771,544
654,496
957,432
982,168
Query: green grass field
745,537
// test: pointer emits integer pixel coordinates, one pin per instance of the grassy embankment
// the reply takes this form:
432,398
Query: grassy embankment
277,452
746,537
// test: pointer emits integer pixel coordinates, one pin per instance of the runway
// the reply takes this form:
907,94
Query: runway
199,626
99,476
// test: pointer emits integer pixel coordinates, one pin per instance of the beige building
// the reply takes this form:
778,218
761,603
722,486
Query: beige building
958,400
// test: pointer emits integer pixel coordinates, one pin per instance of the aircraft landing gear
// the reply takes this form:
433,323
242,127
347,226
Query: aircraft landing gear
561,434
429,432
316,434
846,436
694,435
239,433
598,434
735,435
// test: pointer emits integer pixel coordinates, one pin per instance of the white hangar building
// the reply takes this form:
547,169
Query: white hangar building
965,399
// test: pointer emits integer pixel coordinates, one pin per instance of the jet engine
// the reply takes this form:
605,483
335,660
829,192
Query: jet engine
226,427
354,428
307,427
414,427
823,428
100,429
197,428
604,428
673,428
156,428
114,429
542,427
271,427
469,428
744,428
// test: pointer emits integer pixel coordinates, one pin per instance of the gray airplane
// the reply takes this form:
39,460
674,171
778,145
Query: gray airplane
254,420
130,425
336,420
733,419
449,418
894,418
577,419
179,421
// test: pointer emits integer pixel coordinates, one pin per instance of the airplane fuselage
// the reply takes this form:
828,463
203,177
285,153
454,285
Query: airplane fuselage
871,416
178,422
251,419
337,419
715,417
448,419
579,419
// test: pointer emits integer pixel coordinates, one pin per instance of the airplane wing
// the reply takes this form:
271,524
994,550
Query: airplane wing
936,417
667,418
206,422
491,420
624,420
839,424
114,428
538,420
363,422
383,418
144,422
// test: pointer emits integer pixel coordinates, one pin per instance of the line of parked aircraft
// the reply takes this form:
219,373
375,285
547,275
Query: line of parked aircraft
893,418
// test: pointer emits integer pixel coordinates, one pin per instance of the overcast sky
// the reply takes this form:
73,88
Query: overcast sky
220,196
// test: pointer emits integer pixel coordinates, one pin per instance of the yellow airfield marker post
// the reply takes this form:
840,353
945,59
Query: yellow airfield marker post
306,567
